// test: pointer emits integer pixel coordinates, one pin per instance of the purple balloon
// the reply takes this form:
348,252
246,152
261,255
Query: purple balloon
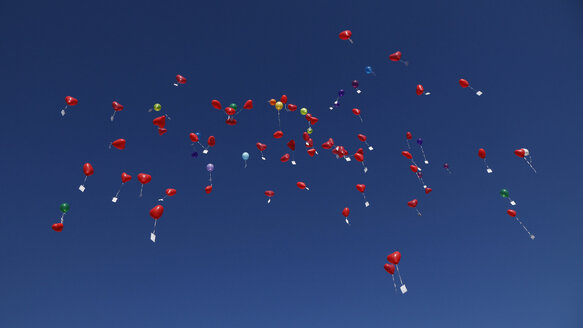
355,84
419,174
195,154
210,167
341,93
445,165
419,141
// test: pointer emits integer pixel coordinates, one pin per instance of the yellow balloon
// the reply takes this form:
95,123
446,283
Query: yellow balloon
278,105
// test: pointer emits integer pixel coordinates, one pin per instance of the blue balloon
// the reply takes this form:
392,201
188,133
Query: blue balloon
419,141
368,70
195,154
245,156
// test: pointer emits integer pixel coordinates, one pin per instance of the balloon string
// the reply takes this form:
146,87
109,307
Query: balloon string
155,222
210,177
394,284
529,162
112,116
363,196
401,280
408,145
487,167
119,190
418,213
245,164
423,152
278,120
62,217
361,121
364,167
404,62
141,189
523,226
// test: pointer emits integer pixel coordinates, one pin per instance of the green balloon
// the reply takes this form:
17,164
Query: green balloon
157,107
64,207
310,131
304,111
504,193
233,106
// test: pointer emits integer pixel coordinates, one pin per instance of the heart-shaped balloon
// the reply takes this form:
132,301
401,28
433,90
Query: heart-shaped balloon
482,153
144,178
395,56
193,137
248,104
306,136
309,143
407,154
419,89
301,185
359,157
412,203
160,121
156,212
311,152
180,79
409,135
389,268
278,134
58,227
356,111
216,104
208,189
284,158
170,192
326,145
360,187
161,131
512,213
292,107
361,137
360,150
283,99
125,177
71,101
313,120
119,144
394,257
269,193
291,145
428,190
414,168
231,121
464,83
308,117
88,169
519,152
211,141
116,106
261,146
346,211
230,111
331,141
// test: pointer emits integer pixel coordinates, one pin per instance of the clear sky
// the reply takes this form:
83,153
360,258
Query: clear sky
229,259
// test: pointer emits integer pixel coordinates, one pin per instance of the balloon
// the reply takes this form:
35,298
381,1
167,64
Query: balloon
193,137
284,158
355,84
512,213
210,167
359,157
409,135
414,168
304,111
248,104
230,111
394,258
170,192
65,207
301,185
419,89
88,169
125,177
464,83
428,190
157,107
361,137
395,56
261,146
292,107
313,120
345,35
389,268
360,187
180,79
58,227
520,152
368,70
233,106
278,134
119,144
195,154
144,178
71,101
341,91
161,131
208,189
420,141
156,212
482,153
504,193
346,211
445,166
356,111
309,130
283,99
231,121
269,193
305,136
326,145
311,152
412,203
160,121
292,145
211,141
272,102
216,104
278,105
407,154
245,156
117,106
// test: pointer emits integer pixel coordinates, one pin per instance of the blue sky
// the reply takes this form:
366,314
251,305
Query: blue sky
230,260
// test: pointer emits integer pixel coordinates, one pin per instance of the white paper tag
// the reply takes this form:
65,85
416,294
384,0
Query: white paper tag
489,170
532,237
403,289
82,188
263,158
62,112
152,237
426,162
269,201
331,108
365,169
479,93
206,151
293,162
512,203
370,148
427,93
366,204
114,199
347,159
358,91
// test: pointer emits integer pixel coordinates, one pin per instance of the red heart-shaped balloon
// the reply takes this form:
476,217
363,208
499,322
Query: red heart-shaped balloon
519,152
211,141
464,83
309,143
414,168
269,193
248,104
58,227
360,150
301,185
395,56
144,178
261,146
512,213
326,145
306,136
482,153
313,120
412,203
394,257
156,212
311,152
292,107
356,111
208,189
193,137
216,104
170,192
331,141
119,144
308,116
284,158
88,169
361,137
283,99
278,134
125,177
230,111
161,131
428,190
180,79
389,268
409,135
116,106
231,121
407,154
71,101
360,187
160,121
419,89
359,157
346,211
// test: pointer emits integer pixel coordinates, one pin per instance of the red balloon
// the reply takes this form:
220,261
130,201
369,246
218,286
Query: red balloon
278,134
345,35
216,104
208,189
301,185
313,120
284,158
193,137
116,106
356,111
482,153
248,104
414,168
428,190
144,178
231,121
464,83
211,141
160,121
71,101
310,143
359,157
327,145
331,141
119,143
180,79
308,116
261,146
283,99
230,111
360,151
512,213
170,192
394,258
389,268
88,169
419,89
409,135
360,187
395,56
311,152
125,177
362,137
346,211
269,193
292,145
156,212
306,136
58,227
407,154
292,107
161,131
412,203
520,152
